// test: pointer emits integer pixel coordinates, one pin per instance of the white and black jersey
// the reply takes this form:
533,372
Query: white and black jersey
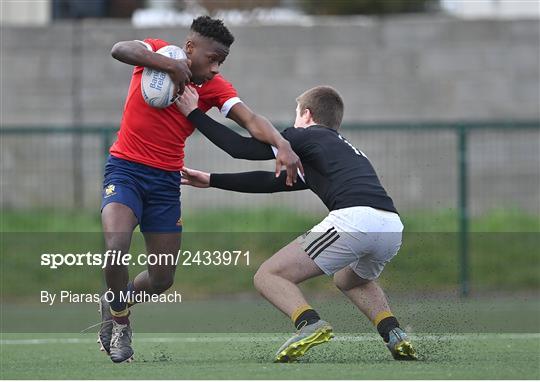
340,174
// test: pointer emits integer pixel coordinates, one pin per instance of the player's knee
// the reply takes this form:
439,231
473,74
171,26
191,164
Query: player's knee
119,242
162,283
261,276
340,282
346,280
258,279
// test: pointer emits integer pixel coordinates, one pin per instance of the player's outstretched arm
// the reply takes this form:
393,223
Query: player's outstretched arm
260,128
234,144
137,53
257,182
229,141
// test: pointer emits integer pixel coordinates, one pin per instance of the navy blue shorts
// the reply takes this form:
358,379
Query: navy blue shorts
152,194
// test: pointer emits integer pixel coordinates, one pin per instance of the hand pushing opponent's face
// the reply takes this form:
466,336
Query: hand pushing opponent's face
206,57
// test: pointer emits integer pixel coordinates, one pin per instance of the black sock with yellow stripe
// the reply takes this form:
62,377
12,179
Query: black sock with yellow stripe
120,317
385,322
119,309
305,315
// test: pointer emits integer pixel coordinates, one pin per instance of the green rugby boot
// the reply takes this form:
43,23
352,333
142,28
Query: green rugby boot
307,337
400,346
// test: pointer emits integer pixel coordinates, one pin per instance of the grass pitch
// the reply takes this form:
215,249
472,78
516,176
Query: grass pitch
230,355
249,356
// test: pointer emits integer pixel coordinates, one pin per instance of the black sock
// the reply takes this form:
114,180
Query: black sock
117,304
386,325
131,294
307,317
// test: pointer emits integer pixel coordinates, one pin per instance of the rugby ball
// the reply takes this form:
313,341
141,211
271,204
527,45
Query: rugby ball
156,87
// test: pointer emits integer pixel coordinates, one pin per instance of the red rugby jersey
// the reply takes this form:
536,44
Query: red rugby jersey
156,137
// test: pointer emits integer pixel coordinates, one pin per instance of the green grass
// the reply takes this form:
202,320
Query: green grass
222,220
228,338
426,262
252,314
248,356
266,220
503,251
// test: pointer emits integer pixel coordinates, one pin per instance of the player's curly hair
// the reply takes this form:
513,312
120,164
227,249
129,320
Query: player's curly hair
212,28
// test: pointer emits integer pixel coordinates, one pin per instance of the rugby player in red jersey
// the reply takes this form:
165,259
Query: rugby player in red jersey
142,176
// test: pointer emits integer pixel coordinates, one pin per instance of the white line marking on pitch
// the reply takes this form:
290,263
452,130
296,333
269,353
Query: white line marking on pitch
240,338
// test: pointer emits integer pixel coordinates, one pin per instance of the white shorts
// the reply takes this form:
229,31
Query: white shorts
363,238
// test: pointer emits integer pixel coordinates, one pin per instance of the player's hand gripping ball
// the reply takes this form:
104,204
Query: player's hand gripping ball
157,88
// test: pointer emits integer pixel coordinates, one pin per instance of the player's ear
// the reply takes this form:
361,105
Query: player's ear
307,114
188,47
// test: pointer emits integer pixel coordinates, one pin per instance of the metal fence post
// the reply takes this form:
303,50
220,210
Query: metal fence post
463,211
105,142
76,114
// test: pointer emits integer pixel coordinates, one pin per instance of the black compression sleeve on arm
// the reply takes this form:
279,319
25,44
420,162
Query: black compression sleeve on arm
229,141
256,182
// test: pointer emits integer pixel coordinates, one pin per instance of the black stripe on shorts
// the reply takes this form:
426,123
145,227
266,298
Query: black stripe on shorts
328,244
322,237
329,237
